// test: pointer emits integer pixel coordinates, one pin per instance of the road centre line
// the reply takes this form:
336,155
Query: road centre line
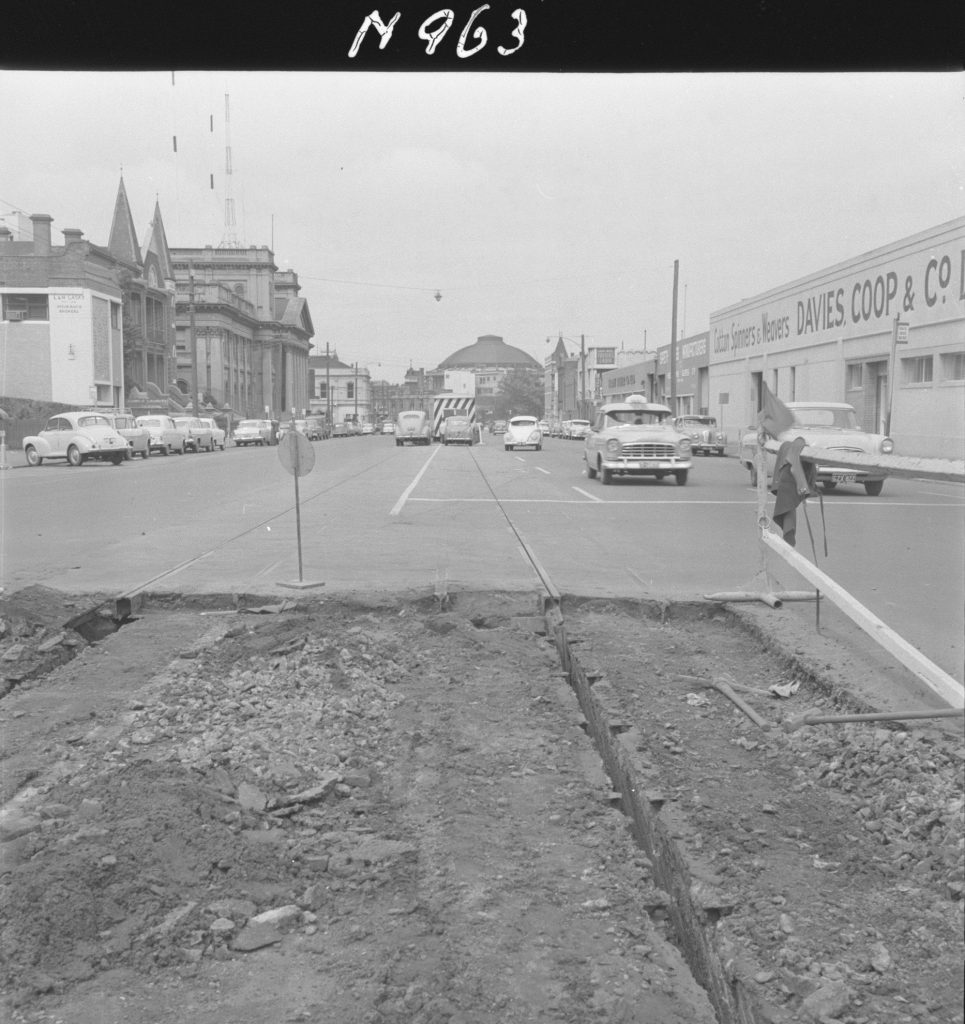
398,506
539,469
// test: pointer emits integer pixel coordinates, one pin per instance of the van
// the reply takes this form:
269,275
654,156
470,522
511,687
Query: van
412,427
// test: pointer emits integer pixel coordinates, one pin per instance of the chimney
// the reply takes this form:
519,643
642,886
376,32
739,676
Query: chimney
72,235
41,223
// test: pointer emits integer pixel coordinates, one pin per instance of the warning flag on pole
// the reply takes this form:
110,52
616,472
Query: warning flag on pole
775,417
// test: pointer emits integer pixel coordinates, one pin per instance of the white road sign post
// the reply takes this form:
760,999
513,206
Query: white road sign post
296,454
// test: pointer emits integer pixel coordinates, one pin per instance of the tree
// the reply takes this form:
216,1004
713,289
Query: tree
520,391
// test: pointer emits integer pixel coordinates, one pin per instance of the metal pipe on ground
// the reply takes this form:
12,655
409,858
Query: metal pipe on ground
813,718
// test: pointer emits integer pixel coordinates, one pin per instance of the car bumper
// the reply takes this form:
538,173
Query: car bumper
645,467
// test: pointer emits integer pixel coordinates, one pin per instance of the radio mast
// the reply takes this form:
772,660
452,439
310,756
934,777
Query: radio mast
230,238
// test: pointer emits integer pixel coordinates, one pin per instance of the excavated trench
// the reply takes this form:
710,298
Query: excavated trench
769,878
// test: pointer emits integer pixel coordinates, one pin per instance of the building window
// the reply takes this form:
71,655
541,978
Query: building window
25,307
917,370
792,387
321,389
606,355
115,315
853,376
953,365
350,390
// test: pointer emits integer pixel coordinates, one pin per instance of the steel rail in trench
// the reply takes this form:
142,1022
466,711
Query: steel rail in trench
732,994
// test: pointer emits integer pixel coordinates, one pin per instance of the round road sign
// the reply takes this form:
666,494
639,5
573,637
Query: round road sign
296,454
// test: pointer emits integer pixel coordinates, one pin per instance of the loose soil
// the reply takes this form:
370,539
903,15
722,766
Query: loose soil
398,813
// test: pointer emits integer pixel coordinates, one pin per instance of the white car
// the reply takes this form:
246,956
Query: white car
523,432
77,437
830,425
575,430
165,435
636,438
217,434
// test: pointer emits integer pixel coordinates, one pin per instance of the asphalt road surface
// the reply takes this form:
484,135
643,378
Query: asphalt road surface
376,517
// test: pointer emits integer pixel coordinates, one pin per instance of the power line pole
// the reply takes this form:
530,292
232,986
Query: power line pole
194,340
356,392
583,415
673,345
328,391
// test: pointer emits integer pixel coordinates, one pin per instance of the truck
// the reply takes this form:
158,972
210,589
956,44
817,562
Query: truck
446,405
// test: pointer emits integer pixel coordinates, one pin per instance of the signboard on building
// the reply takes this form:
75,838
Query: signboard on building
923,284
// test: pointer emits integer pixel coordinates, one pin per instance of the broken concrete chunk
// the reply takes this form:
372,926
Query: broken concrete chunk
251,798
308,796
255,936
278,917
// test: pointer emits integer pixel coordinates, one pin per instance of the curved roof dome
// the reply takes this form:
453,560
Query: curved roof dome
489,350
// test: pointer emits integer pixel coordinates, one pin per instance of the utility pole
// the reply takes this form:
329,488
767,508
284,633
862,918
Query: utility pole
583,415
673,345
356,392
328,391
194,340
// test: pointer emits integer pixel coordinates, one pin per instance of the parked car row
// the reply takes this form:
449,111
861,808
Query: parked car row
112,436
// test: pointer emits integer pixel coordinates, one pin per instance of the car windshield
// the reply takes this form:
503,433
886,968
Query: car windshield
150,421
93,421
633,417
458,421
249,425
816,416
523,421
123,422
410,416
698,421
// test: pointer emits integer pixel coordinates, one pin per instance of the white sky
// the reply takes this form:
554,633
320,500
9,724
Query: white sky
537,204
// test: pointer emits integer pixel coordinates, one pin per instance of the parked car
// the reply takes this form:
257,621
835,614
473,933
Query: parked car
830,425
705,438
315,429
367,428
200,437
217,434
165,435
544,428
388,428
137,437
636,438
340,430
256,432
576,430
77,437
522,432
412,426
458,430
499,426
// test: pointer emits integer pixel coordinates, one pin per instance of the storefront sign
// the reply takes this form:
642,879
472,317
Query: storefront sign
925,286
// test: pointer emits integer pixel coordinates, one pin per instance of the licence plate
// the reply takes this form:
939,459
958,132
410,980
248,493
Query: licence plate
843,478
649,464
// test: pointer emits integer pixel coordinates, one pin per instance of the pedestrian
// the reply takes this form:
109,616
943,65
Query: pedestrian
791,483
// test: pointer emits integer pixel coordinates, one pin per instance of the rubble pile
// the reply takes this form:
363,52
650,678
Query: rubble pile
909,791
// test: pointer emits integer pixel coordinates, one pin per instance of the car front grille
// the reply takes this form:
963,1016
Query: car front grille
847,449
647,450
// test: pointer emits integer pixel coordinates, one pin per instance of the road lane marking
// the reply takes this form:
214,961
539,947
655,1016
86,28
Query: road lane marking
592,497
539,469
397,507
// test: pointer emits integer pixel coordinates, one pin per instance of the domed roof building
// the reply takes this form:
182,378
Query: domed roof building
489,352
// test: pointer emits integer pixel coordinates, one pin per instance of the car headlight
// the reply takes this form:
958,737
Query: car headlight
720,437
613,446
887,446
684,445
